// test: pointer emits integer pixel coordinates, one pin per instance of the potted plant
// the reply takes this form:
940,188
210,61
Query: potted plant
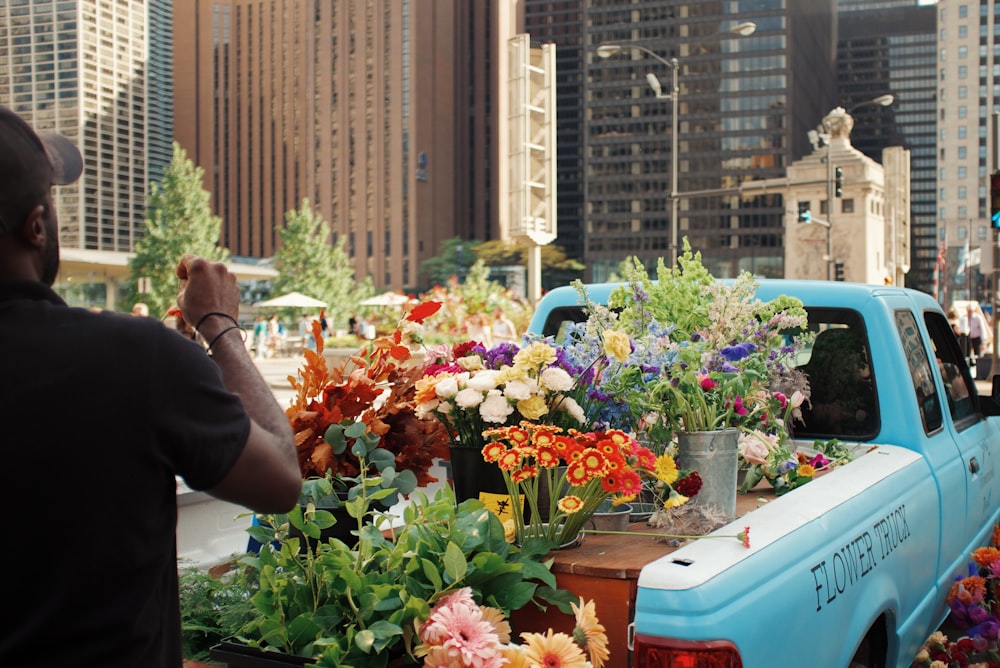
334,605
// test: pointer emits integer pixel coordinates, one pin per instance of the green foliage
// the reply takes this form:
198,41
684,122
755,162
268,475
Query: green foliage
213,607
557,269
356,607
179,220
456,257
309,263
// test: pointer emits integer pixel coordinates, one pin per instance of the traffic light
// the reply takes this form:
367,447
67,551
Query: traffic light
838,270
805,215
995,199
838,182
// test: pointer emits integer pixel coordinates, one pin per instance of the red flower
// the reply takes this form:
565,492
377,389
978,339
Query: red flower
745,536
689,485
421,312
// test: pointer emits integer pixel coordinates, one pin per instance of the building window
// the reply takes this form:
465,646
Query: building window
963,92
941,196
961,192
962,132
848,206
963,51
963,72
963,11
962,172
963,232
963,31
961,153
981,233
963,212
963,111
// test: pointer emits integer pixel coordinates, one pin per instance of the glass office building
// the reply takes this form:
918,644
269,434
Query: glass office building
743,113
893,50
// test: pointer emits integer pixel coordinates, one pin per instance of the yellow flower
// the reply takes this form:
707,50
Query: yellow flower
553,650
499,622
666,469
617,344
515,655
675,500
806,471
535,356
533,408
589,633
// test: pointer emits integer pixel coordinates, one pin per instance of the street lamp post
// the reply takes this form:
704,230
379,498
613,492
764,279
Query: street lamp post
609,49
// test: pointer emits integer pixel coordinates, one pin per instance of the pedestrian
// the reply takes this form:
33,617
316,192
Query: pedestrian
260,337
503,330
476,330
324,326
352,324
110,409
140,310
977,331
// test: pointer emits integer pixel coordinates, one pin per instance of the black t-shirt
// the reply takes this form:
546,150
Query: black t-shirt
98,414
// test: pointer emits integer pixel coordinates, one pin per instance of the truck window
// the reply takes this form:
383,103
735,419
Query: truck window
927,398
959,390
559,318
842,402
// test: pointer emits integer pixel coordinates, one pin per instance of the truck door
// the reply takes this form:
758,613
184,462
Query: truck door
975,436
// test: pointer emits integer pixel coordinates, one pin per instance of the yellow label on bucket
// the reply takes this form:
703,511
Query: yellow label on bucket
499,504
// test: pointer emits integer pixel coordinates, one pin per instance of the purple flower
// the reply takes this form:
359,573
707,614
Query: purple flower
500,355
639,294
786,466
738,351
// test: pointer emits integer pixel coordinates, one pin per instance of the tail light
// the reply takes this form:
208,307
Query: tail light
655,652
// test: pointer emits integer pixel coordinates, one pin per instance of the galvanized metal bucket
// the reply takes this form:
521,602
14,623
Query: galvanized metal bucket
714,455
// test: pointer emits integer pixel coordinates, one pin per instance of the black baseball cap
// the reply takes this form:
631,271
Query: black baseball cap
30,164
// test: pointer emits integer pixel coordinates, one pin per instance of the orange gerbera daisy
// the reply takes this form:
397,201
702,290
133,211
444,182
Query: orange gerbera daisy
493,451
510,460
553,650
570,504
589,633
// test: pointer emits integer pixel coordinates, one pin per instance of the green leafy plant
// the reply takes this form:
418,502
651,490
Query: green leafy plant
213,607
359,607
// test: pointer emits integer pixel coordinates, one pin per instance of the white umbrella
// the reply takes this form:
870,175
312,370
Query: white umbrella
386,299
292,300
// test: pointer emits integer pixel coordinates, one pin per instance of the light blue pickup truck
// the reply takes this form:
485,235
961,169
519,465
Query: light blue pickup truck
853,569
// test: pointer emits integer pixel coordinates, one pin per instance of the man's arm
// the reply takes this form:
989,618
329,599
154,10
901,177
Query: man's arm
266,476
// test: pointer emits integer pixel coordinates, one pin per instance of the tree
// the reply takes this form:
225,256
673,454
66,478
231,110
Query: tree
179,220
308,263
455,259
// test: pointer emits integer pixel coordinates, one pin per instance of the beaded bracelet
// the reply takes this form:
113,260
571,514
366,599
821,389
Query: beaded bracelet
219,335
218,313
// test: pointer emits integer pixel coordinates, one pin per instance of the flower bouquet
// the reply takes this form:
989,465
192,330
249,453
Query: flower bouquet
767,456
576,470
369,414
460,632
975,609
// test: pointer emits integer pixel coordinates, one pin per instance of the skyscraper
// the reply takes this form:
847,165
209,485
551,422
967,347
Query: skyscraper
893,50
968,81
743,113
82,68
350,105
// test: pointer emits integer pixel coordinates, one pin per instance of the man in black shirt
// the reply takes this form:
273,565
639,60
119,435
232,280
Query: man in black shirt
100,412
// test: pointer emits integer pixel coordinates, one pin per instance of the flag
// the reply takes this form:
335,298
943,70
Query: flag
975,257
963,262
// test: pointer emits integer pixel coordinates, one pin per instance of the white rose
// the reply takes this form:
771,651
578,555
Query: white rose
468,398
444,408
556,379
519,390
484,381
495,408
446,388
572,408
